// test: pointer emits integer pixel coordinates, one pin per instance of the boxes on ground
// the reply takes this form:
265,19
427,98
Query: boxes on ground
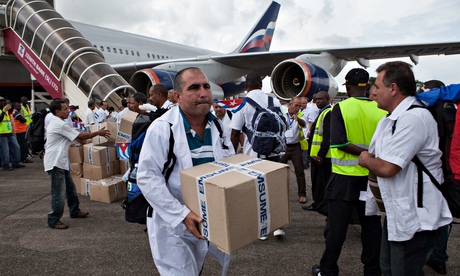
126,125
101,140
99,155
108,189
76,154
99,172
240,199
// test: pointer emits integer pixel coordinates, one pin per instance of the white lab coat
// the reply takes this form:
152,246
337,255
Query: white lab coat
175,251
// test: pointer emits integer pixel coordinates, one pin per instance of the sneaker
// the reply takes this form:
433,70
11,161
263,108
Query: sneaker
7,168
315,270
279,233
59,225
264,238
80,214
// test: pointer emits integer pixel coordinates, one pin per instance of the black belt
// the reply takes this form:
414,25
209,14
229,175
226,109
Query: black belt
293,145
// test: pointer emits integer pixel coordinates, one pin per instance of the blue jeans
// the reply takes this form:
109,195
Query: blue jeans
439,254
407,257
62,187
9,144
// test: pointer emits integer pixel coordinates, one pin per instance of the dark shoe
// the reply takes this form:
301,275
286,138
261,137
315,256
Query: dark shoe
27,161
309,208
7,168
59,225
315,270
80,214
439,267
19,166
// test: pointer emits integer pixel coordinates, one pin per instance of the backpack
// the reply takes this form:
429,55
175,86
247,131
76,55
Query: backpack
135,204
268,125
444,115
35,134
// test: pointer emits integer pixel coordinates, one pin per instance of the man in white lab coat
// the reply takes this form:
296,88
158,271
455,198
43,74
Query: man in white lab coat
177,246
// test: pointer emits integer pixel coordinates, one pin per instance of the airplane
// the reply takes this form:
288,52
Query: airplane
143,61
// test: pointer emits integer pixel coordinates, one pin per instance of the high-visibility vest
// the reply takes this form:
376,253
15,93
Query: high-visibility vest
318,134
18,126
5,125
360,116
27,114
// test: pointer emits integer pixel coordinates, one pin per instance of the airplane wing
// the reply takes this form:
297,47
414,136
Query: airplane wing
264,62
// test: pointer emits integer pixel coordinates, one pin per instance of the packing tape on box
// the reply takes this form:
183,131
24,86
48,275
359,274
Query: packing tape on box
124,135
90,154
107,155
87,183
261,194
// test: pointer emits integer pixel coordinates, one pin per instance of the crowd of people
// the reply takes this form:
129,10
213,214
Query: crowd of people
368,139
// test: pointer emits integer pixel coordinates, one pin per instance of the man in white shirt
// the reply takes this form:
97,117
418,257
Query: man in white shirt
89,118
158,96
56,162
222,114
311,115
411,226
102,113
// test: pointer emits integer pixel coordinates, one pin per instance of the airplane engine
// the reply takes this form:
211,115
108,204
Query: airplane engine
298,78
143,79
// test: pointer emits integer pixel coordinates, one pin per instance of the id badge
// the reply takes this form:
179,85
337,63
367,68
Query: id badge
289,133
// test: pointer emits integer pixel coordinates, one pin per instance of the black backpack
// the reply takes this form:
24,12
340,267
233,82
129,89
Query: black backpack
268,125
35,133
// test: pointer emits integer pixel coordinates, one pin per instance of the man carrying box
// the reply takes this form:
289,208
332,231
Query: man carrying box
59,137
192,133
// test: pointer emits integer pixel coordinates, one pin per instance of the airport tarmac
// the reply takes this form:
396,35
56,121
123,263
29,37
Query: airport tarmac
105,244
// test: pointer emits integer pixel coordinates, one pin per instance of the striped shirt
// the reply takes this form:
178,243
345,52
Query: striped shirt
200,149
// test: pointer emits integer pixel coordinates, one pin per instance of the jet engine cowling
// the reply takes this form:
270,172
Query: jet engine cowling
298,78
143,79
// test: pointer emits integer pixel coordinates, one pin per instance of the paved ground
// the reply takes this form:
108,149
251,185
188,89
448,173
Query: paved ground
105,244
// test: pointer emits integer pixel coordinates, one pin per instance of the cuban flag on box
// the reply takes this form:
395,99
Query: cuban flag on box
123,150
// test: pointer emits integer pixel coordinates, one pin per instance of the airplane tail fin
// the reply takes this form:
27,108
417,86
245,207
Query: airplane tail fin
259,38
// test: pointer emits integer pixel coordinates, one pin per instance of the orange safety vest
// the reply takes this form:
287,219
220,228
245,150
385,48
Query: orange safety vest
17,125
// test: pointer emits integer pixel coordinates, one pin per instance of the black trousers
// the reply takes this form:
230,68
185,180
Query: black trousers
294,153
319,178
335,233
21,137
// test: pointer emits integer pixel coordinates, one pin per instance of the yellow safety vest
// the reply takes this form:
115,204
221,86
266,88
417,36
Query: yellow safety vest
5,125
27,114
318,134
361,117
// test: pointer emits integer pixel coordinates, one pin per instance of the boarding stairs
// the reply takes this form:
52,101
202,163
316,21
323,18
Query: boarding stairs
57,55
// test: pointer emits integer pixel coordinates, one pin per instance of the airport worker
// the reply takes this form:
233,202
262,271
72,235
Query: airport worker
102,113
8,143
295,120
177,246
244,117
413,221
320,153
25,110
89,118
353,122
56,162
20,128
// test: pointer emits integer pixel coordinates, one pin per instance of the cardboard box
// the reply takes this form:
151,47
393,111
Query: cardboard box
108,189
124,166
76,168
126,126
100,140
76,154
76,181
99,155
94,172
240,198
84,186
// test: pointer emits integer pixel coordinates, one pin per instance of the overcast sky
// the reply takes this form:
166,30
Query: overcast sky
302,24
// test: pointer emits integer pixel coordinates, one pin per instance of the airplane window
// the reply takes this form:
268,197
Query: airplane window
95,46
115,50
158,56
102,48
153,55
162,57
108,49
132,53
121,51
148,55
127,52
138,54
